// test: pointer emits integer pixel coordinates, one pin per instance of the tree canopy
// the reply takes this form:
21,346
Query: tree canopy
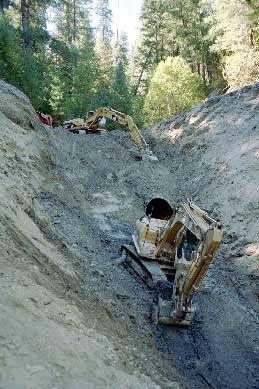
173,88
185,49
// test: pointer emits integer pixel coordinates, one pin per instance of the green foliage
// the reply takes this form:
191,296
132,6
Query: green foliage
72,20
28,71
186,48
191,24
35,80
10,53
254,19
105,20
84,89
137,105
121,99
235,43
173,89
254,6
155,43
173,28
104,53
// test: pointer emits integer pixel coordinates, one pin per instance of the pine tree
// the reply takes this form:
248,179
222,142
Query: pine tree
33,22
190,25
238,52
121,99
105,20
178,27
104,52
75,60
85,84
254,17
154,42
23,42
72,20
11,53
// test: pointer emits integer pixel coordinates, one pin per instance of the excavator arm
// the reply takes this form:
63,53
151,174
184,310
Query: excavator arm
121,118
91,124
193,237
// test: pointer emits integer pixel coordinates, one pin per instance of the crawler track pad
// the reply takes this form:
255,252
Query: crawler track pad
148,270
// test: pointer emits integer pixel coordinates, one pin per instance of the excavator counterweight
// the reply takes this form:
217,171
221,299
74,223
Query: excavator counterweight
172,251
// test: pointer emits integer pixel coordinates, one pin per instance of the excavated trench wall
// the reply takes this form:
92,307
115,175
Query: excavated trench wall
69,201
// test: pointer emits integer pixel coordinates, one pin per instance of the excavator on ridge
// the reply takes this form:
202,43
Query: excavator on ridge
91,124
171,252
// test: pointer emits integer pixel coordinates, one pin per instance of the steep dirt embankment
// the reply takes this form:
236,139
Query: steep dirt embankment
47,333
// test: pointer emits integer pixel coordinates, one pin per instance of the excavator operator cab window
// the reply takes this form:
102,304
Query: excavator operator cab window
188,246
159,209
89,114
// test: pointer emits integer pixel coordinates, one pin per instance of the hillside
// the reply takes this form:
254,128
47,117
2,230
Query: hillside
70,316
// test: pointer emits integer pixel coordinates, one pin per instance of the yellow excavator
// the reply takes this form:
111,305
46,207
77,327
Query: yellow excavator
172,251
92,125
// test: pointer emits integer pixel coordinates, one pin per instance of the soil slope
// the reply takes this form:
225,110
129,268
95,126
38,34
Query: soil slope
70,316
48,326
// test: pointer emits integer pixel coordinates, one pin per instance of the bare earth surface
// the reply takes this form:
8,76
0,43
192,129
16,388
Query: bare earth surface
70,316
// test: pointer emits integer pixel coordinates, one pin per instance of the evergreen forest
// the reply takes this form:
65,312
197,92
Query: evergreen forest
186,50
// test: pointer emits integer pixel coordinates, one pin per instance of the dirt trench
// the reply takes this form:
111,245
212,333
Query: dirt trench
102,191
60,325
70,316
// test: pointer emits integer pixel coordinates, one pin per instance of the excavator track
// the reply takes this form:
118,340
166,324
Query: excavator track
148,271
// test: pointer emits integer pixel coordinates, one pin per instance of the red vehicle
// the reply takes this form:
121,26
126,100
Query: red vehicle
45,119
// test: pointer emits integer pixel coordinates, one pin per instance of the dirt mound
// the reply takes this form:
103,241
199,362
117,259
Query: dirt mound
17,107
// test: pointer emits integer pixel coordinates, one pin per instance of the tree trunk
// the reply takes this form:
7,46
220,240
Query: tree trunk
210,72
69,21
204,72
25,10
74,20
141,73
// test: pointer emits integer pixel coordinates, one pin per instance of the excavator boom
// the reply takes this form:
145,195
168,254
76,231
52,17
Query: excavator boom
121,118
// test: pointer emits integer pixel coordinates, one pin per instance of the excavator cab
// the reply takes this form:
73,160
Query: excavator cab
102,121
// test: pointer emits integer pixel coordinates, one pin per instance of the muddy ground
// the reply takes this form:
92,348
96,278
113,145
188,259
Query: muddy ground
70,316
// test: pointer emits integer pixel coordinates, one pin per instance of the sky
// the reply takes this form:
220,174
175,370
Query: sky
126,17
